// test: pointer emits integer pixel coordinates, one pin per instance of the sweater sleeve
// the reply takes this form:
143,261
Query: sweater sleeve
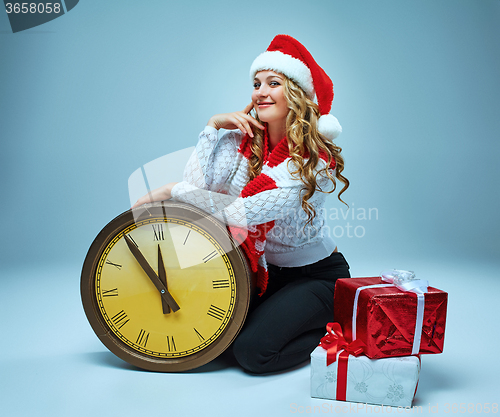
212,161
256,209
240,211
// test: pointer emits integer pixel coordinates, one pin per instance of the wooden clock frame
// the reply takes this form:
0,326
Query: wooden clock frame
243,278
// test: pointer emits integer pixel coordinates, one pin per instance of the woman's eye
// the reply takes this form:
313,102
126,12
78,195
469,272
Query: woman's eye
256,85
274,83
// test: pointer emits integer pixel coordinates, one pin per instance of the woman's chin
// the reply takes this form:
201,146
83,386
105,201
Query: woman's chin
264,119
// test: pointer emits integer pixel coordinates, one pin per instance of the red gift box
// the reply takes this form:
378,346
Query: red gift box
385,317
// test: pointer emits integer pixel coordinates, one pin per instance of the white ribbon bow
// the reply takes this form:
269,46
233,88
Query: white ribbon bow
405,280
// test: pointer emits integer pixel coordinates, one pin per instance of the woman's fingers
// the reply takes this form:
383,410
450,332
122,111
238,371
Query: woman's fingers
143,200
162,193
256,123
242,123
253,120
248,108
250,118
237,120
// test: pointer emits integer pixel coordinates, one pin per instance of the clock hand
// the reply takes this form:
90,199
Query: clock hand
162,274
165,295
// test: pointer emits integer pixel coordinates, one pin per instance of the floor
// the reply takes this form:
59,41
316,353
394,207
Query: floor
52,364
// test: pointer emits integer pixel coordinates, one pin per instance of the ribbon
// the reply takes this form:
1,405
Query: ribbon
405,281
333,342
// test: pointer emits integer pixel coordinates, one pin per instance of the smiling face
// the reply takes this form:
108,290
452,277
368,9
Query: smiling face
268,97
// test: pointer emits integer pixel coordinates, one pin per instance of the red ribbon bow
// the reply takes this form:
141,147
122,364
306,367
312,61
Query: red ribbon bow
333,342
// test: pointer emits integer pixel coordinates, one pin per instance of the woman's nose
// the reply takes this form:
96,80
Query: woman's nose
263,90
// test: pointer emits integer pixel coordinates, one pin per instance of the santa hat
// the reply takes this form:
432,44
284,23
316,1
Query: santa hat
289,57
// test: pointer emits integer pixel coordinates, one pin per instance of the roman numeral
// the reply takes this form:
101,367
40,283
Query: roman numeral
216,312
142,339
110,293
158,231
111,263
185,240
199,335
120,319
171,344
220,283
209,256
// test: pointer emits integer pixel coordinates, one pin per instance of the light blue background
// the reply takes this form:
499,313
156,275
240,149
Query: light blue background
88,98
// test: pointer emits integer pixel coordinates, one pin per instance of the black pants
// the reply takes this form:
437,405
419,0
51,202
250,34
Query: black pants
285,324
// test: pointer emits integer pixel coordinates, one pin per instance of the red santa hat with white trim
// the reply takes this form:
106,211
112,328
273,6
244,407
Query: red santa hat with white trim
289,57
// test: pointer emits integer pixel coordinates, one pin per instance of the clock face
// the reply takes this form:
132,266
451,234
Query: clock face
201,276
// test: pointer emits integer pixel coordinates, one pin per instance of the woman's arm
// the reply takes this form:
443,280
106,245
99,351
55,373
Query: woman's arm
211,152
214,159
161,193
236,120
240,211
262,207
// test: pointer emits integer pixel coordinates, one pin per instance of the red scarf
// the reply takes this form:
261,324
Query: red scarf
253,239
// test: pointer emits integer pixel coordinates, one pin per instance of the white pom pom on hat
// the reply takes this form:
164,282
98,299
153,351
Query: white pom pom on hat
329,126
288,56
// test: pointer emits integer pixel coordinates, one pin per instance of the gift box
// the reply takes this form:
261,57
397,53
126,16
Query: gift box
387,318
389,381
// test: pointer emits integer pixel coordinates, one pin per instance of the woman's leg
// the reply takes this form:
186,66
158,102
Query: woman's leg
285,327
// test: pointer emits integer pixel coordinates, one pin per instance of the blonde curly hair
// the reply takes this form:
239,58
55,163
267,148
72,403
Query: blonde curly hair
303,138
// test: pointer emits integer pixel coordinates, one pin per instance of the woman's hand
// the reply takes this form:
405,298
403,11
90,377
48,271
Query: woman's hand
236,120
162,193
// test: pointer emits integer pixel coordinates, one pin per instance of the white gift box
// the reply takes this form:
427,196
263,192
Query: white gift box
387,381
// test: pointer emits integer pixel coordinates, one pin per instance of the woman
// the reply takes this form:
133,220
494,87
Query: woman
268,181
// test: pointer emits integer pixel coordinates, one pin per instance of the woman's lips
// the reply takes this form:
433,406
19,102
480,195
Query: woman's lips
262,105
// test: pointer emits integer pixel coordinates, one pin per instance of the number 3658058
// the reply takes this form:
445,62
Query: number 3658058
33,7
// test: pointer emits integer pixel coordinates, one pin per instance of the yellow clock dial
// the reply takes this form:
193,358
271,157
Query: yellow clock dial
165,287
199,277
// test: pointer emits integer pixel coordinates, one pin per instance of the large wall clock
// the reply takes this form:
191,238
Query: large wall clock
165,287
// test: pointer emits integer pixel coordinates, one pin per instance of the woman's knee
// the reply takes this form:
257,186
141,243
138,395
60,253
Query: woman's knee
249,355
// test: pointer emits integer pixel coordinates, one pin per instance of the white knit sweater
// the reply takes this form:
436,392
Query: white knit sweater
214,177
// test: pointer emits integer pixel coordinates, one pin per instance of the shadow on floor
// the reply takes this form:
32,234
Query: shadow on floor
432,380
107,359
